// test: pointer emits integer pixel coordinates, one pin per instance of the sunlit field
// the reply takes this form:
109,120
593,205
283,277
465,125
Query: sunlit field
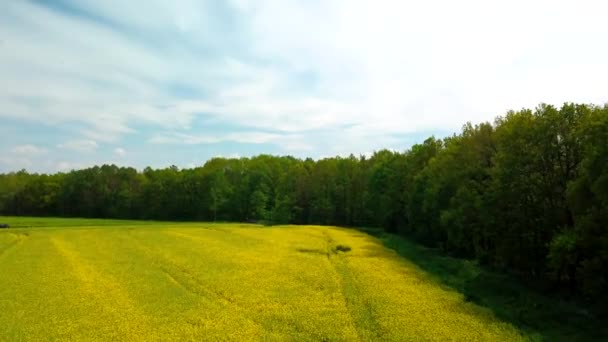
127,280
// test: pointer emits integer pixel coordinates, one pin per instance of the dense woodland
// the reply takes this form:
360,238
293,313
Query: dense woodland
527,193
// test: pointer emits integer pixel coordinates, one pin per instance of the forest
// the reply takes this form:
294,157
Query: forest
527,194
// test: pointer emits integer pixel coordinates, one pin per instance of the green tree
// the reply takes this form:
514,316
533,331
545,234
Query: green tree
220,190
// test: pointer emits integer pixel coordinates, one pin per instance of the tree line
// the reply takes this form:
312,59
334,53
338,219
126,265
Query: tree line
527,193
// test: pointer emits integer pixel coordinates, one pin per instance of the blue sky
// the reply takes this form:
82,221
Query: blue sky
158,83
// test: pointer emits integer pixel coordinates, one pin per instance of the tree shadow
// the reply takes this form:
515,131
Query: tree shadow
544,316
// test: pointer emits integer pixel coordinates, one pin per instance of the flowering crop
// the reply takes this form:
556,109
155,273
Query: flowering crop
165,281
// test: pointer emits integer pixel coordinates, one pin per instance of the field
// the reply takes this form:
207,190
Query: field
128,280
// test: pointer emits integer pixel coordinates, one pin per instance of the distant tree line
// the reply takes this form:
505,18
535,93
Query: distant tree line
528,193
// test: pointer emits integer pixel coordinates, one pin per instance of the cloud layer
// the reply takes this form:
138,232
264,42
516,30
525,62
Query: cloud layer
178,82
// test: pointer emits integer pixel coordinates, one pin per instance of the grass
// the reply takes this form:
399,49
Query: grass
63,279
57,222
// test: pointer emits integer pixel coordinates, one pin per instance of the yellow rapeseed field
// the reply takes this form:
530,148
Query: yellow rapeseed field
208,282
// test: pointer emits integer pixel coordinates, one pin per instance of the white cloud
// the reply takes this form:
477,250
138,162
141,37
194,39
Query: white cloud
28,150
22,157
64,166
230,156
121,152
190,139
79,145
15,162
287,142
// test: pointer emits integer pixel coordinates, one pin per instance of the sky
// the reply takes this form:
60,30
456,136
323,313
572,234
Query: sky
158,83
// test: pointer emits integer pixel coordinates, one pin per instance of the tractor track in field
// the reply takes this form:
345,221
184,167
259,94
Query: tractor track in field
176,273
358,307
13,244
190,283
186,280
98,287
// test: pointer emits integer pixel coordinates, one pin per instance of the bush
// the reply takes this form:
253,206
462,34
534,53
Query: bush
342,248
